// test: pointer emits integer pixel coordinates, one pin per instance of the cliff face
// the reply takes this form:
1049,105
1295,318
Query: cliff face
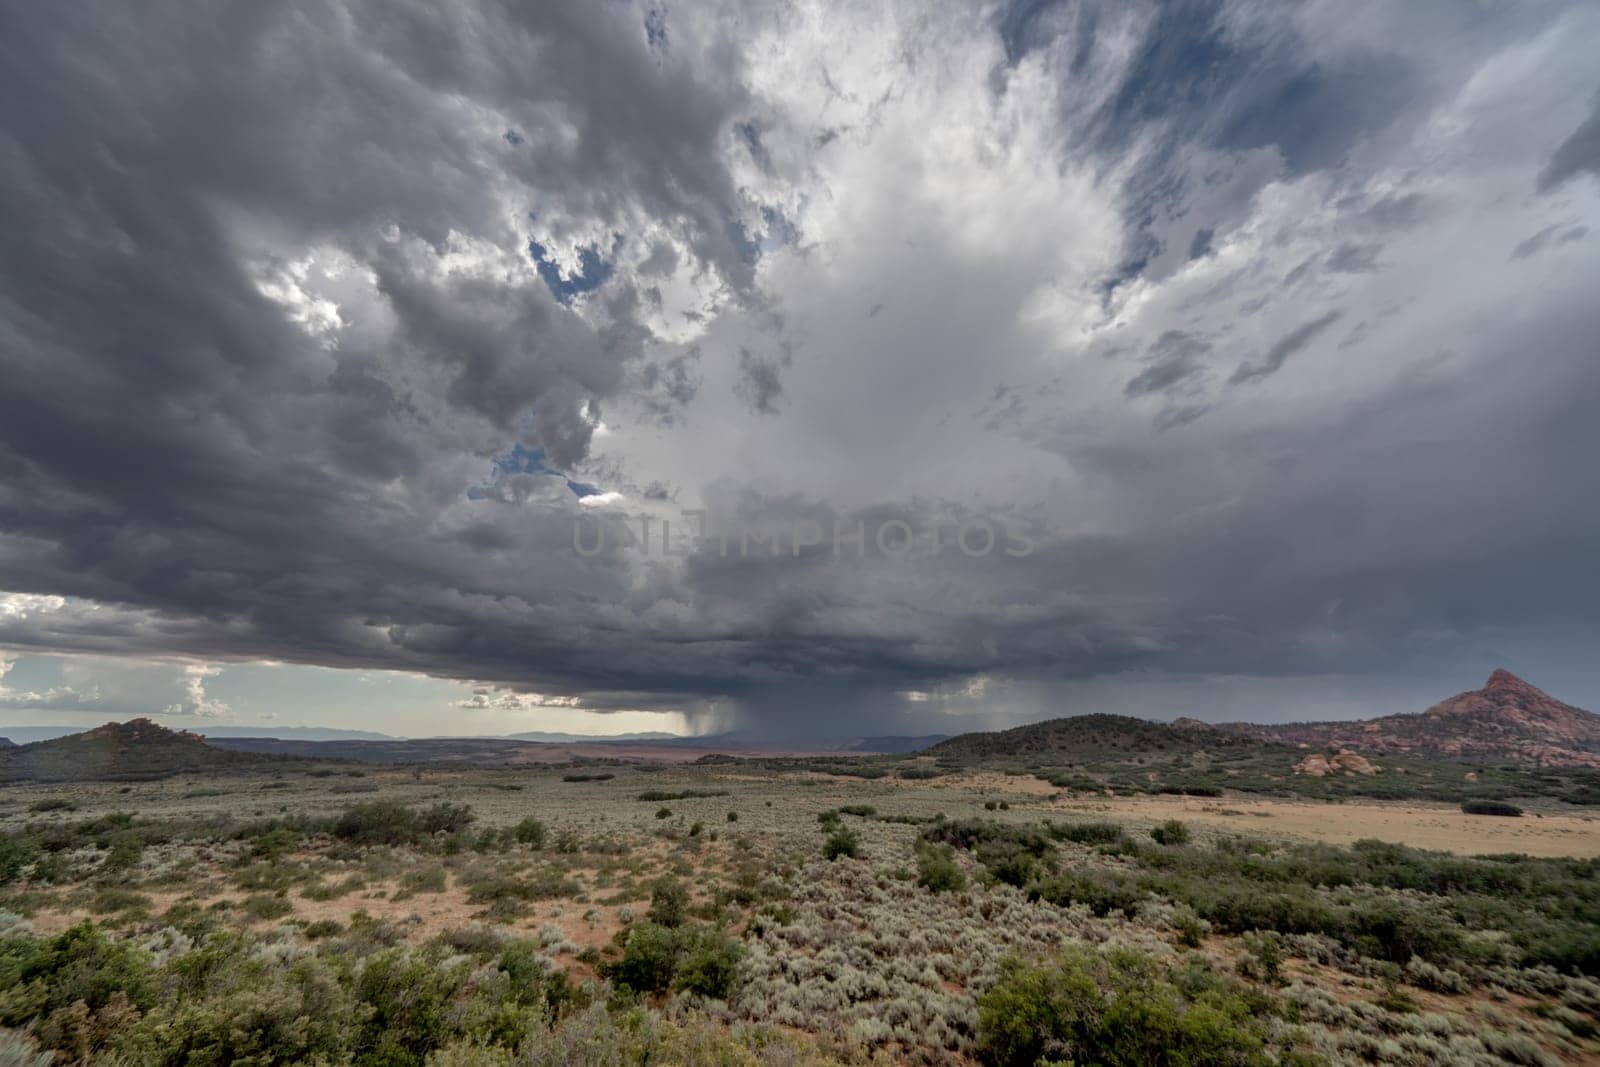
1507,721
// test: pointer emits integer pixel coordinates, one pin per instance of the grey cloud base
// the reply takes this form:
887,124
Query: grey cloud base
1271,330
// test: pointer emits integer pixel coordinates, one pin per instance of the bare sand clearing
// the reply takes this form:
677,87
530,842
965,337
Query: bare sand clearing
1421,825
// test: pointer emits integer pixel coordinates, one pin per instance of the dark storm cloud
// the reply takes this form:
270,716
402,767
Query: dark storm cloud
1275,357
316,320
1173,359
1551,236
170,439
1578,154
760,381
1353,258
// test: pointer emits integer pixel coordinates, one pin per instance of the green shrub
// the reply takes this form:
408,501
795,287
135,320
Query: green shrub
445,819
1117,1007
1171,832
1015,855
275,844
15,854
1264,955
601,777
842,842
382,822
81,963
530,832
124,854
937,869
252,1012
656,958
409,996
50,869
682,794
669,902
505,889
424,880
649,959
1397,999
708,964
1190,929
267,906
1102,892
1086,833
1491,807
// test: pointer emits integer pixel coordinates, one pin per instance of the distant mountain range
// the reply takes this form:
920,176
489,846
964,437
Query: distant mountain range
546,738
22,735
560,748
1507,721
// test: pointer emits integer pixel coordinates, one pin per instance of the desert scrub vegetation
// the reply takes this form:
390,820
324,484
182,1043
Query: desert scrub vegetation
937,869
537,927
205,995
1380,901
657,795
1125,1007
887,963
842,842
693,959
1491,807
384,822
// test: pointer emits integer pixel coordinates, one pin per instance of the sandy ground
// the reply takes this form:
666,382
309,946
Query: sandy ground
1421,826
1442,827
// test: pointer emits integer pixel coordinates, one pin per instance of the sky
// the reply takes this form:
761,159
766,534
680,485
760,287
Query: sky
799,369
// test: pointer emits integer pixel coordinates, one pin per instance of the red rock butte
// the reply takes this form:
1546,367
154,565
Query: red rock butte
1508,720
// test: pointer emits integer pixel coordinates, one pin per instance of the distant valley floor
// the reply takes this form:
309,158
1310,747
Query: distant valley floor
1432,826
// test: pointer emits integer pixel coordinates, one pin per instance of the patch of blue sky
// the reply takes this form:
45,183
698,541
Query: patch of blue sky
593,270
520,459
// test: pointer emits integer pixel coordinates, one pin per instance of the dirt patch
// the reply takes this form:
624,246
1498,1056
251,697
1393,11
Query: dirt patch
1418,825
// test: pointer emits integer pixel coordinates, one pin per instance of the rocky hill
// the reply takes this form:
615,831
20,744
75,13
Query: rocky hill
118,751
1508,721
1086,736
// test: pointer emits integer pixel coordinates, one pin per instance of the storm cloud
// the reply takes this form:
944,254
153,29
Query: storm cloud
324,327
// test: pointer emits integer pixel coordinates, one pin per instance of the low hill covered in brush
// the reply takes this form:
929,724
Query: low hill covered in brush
1086,736
136,750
